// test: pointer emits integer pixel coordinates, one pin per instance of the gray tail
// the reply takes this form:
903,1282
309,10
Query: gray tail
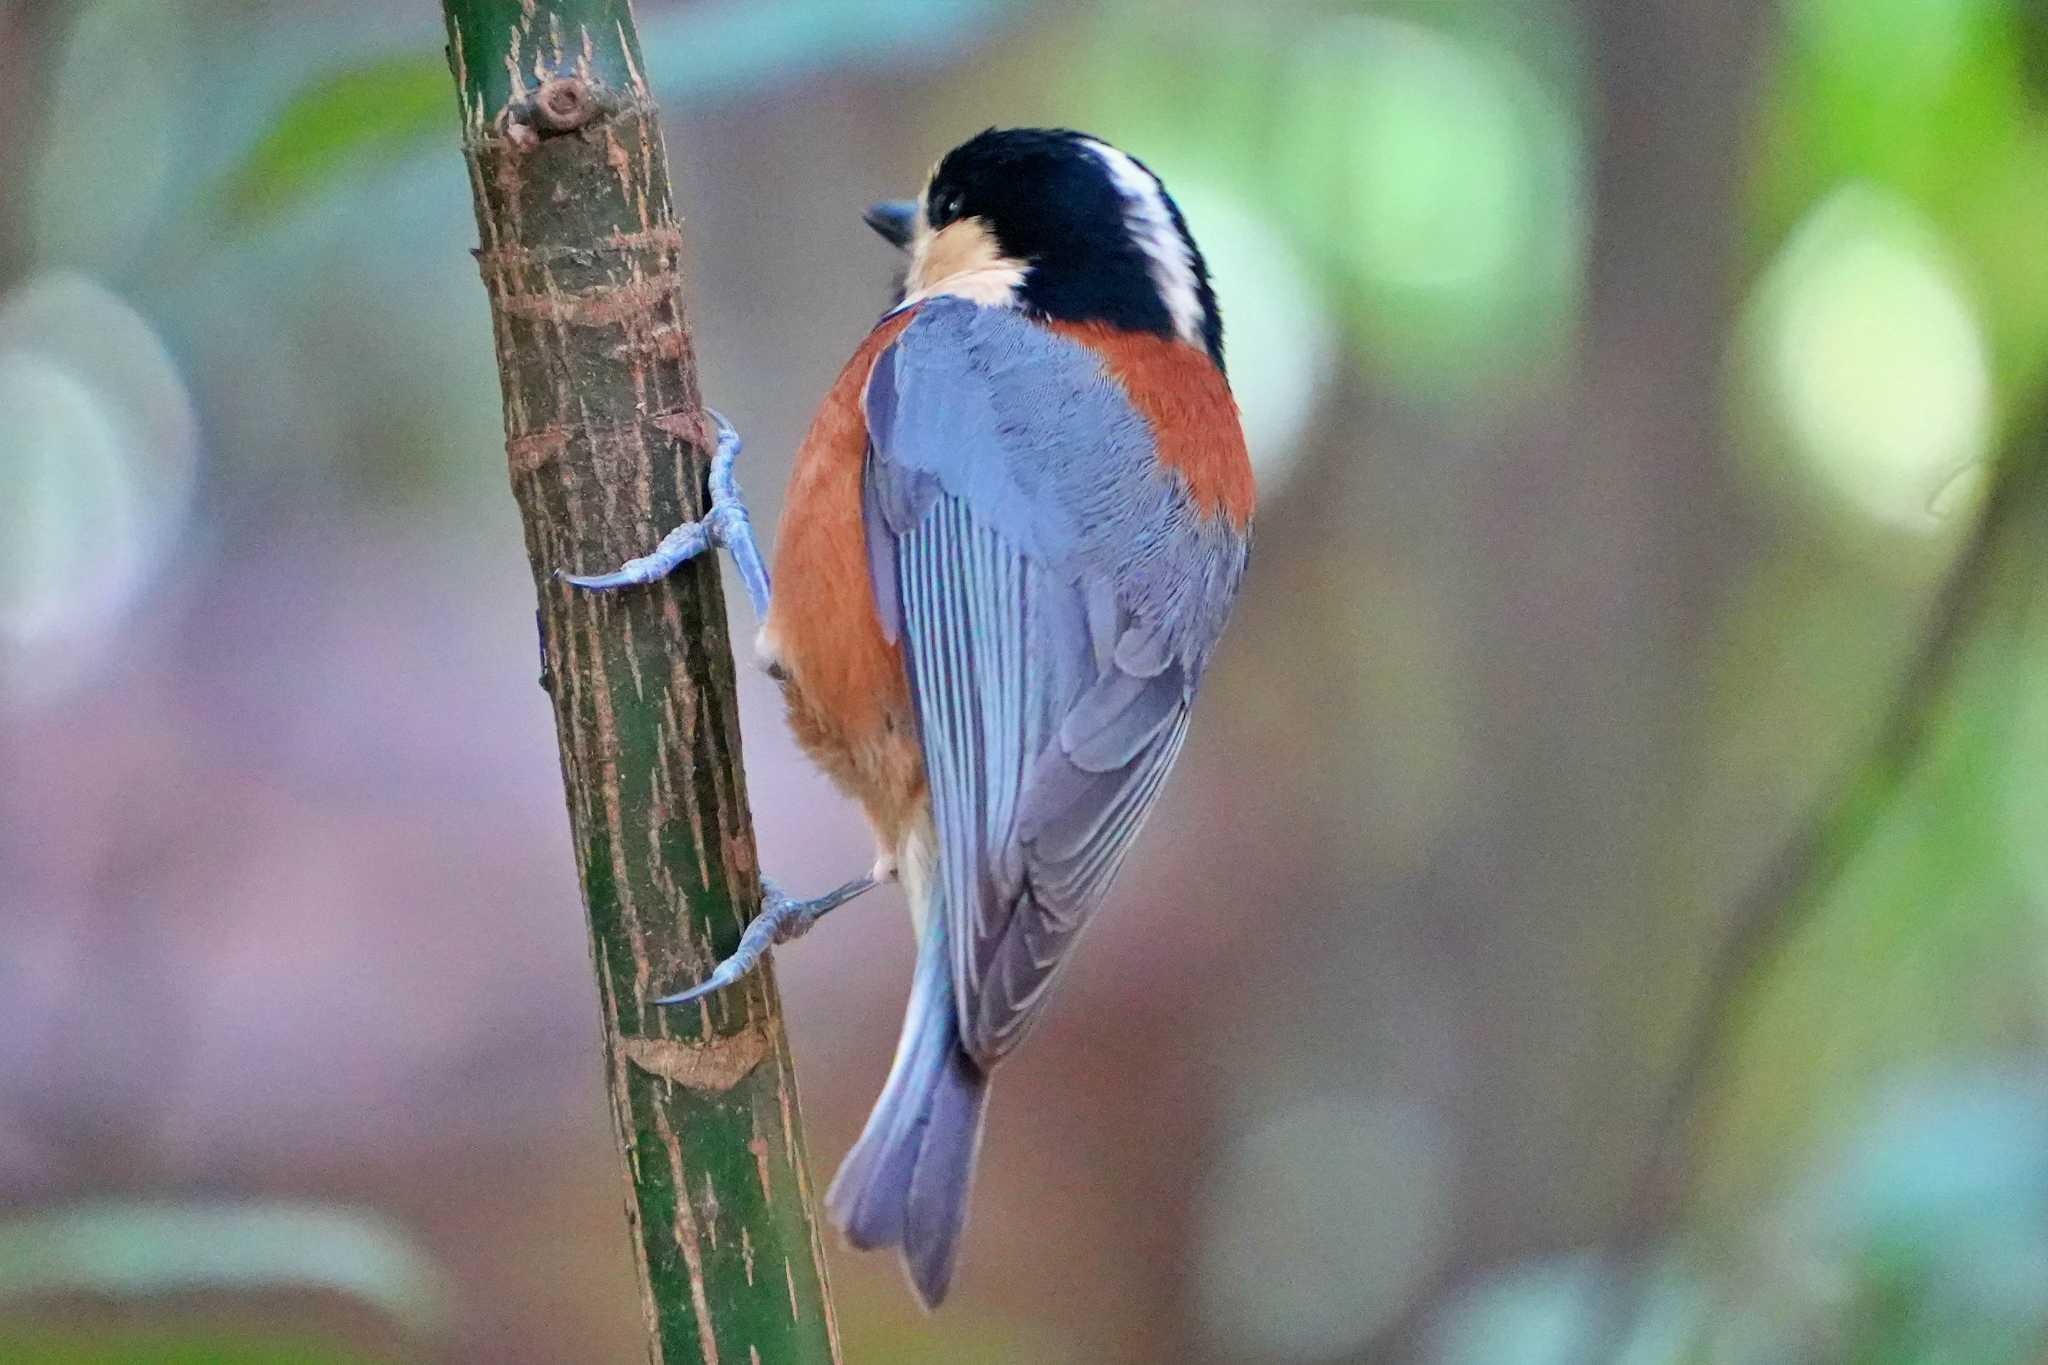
905,1183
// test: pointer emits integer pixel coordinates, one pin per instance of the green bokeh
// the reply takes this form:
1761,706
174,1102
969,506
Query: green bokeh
1424,159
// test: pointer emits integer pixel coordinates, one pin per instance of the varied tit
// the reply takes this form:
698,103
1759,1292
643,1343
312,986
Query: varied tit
1010,543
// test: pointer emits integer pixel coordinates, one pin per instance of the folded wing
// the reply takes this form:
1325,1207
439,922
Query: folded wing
1057,592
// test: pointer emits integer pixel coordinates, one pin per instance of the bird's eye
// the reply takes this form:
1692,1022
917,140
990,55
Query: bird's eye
947,207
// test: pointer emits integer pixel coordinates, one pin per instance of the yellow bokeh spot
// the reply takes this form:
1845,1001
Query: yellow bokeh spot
1875,362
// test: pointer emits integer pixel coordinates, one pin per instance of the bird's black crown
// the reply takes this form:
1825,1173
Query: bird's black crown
1101,238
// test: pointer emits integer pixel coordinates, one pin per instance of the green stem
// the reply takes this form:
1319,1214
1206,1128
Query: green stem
608,446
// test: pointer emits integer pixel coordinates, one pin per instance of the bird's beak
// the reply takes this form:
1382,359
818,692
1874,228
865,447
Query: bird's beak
895,219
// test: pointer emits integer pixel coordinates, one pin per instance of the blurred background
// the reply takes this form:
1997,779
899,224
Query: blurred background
1623,378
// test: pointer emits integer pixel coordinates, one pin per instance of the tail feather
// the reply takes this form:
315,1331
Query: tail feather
906,1181
935,1212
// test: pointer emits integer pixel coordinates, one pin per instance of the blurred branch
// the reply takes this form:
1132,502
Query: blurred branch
1798,877
1610,531
1678,95
33,31
608,445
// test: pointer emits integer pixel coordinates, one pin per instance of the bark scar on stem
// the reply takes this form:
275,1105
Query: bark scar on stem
714,1066
562,104
531,451
601,306
523,254
663,343
689,425
566,104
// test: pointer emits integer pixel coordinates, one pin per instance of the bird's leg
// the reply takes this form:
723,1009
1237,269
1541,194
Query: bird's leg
725,524
781,919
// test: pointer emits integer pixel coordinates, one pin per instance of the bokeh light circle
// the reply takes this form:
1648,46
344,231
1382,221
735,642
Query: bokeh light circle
69,528
1871,363
1549,1312
1439,185
1442,178
1322,1219
102,452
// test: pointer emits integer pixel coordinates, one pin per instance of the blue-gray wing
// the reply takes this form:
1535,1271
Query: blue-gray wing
1057,593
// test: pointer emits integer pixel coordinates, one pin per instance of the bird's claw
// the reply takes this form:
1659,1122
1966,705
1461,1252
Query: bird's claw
724,523
782,918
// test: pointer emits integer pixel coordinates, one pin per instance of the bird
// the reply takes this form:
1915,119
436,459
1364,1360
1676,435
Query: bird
1011,540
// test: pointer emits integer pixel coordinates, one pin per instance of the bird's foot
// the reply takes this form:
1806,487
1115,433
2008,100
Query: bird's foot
727,524
782,918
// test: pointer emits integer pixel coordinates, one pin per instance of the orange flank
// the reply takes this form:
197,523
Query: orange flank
844,683
1188,403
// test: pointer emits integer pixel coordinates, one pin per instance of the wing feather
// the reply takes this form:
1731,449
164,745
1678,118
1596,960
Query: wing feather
1057,596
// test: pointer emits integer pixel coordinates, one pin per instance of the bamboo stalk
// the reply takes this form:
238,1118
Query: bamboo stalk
608,448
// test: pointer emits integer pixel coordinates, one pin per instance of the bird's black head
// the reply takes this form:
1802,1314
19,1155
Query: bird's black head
1060,224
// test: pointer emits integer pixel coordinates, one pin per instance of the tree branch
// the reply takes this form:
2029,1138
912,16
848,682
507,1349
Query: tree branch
1796,880
608,448
37,29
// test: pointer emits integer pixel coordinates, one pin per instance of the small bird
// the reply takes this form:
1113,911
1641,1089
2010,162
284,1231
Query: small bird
1012,537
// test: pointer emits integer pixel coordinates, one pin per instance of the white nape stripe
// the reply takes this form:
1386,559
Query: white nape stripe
1150,223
